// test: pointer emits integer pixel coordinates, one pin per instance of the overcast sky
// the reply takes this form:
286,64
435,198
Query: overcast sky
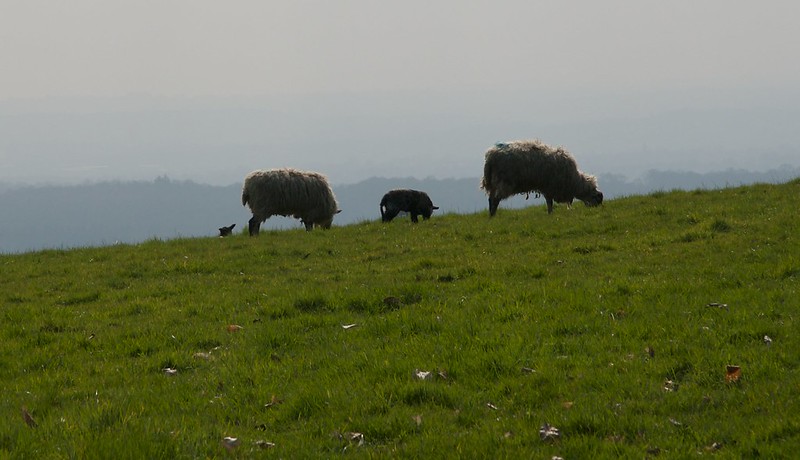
194,49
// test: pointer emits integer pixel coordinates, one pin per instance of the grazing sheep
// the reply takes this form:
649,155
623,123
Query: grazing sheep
226,231
531,166
413,202
289,192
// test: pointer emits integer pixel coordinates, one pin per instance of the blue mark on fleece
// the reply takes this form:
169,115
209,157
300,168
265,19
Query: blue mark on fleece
501,145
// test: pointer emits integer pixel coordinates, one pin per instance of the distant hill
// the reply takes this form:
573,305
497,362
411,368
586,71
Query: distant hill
128,212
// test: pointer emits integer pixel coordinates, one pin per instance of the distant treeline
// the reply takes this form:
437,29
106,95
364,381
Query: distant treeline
45,217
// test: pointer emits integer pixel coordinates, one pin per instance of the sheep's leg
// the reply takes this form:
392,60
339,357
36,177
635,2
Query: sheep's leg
493,204
309,225
254,225
549,201
414,217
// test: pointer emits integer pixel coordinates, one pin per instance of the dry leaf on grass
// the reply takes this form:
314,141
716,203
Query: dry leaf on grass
767,340
422,375
549,433
230,443
170,371
273,402
732,373
722,306
356,437
234,328
714,447
28,418
265,444
348,326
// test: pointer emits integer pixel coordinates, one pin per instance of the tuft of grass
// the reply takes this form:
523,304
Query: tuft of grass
313,303
720,226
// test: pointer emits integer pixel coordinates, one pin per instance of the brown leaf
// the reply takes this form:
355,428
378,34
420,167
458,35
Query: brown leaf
28,418
418,419
273,402
230,443
234,328
732,373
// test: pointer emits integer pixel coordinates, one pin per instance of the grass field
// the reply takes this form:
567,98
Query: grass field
588,333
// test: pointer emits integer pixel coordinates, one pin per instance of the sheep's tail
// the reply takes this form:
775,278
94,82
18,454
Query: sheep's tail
383,206
486,181
245,197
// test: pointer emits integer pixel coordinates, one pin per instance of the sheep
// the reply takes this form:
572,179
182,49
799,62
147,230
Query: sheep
413,202
226,231
530,166
303,195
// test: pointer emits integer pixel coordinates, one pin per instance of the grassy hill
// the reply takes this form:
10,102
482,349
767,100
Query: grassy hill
614,325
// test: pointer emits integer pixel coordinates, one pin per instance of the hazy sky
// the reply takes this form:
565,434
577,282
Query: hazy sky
194,49
207,47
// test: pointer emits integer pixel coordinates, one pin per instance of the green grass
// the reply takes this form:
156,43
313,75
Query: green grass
614,325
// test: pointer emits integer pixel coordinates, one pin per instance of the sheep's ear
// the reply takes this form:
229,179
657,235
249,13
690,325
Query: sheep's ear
338,211
436,207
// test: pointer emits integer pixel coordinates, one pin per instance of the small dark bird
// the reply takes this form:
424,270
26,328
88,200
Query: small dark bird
226,231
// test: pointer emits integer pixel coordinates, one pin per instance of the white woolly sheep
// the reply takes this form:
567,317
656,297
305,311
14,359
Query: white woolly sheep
288,192
530,166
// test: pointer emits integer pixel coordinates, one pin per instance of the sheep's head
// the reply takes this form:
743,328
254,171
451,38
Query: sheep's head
595,199
589,193
226,231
